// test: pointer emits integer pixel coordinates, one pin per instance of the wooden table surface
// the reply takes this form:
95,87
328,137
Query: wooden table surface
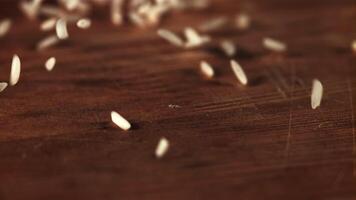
263,141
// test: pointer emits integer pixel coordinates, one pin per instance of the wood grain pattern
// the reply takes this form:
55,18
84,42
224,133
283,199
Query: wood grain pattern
227,141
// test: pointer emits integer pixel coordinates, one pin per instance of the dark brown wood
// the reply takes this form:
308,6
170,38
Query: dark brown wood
227,142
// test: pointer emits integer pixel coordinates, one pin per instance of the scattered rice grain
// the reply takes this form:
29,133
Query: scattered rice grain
15,70
194,39
162,148
47,42
316,94
242,21
48,24
213,24
72,4
5,26
274,45
207,69
120,121
170,37
353,46
239,72
116,12
228,47
61,29
3,86
31,8
84,23
50,63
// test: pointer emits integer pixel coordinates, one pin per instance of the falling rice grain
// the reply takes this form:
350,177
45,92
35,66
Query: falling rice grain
207,69
61,29
31,8
84,23
5,26
72,4
353,46
194,39
15,70
242,21
213,24
228,47
50,63
47,42
274,45
170,37
239,72
162,148
316,94
137,19
48,24
192,35
3,86
116,12
120,121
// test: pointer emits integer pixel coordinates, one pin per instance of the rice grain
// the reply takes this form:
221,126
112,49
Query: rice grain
213,24
162,148
61,29
120,121
5,26
50,63
194,39
274,45
3,86
170,37
316,94
239,72
242,21
15,70
84,23
353,46
47,42
207,69
48,24
228,47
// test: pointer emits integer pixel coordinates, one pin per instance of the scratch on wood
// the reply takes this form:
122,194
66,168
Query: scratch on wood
290,118
353,127
289,133
275,83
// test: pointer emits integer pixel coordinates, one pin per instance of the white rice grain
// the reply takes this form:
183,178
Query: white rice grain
207,69
5,26
170,37
120,121
84,23
316,94
353,46
239,72
137,19
194,39
15,70
162,148
61,29
31,8
116,12
48,24
213,24
71,4
228,47
274,45
242,21
3,86
47,42
50,63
